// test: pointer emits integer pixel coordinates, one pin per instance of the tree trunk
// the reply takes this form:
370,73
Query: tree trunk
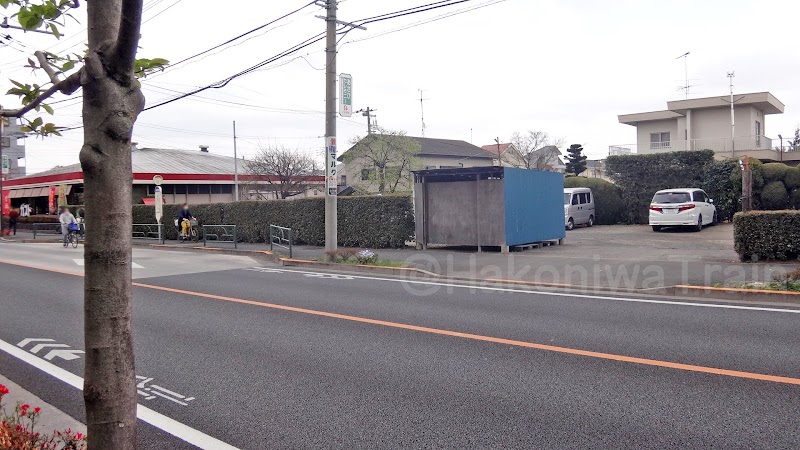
111,102
381,179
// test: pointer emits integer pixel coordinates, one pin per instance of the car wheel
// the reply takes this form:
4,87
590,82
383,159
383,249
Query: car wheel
657,228
590,223
699,226
714,221
570,224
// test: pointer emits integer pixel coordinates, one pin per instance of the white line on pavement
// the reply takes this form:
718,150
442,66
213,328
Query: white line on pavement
80,262
553,294
158,420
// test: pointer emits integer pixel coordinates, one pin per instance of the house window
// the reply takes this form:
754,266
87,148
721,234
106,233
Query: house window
344,180
364,174
758,133
659,140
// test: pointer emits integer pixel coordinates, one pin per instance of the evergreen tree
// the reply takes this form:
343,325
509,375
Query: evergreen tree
576,161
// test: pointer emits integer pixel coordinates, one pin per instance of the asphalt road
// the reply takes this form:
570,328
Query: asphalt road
278,358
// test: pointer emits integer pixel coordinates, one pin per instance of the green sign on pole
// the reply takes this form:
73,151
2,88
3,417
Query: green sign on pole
6,165
345,95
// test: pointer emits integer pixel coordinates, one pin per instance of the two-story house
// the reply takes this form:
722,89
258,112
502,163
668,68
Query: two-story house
429,153
705,123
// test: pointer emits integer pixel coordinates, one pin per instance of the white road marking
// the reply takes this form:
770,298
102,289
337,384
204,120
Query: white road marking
67,355
36,348
554,294
80,262
27,341
158,420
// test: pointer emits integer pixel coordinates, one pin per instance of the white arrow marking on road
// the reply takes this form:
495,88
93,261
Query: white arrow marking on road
63,354
27,341
81,262
41,346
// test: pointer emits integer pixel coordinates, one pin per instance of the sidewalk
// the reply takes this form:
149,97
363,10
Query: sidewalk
51,418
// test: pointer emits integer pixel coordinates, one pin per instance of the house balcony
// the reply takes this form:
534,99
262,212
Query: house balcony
760,147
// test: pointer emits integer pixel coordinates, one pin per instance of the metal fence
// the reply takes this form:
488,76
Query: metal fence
55,227
149,231
280,237
220,233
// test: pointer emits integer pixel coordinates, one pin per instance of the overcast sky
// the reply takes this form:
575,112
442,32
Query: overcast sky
565,67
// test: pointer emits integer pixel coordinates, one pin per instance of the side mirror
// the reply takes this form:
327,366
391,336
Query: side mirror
711,200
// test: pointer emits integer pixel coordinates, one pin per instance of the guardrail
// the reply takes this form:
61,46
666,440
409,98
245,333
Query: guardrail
55,226
220,233
280,237
151,231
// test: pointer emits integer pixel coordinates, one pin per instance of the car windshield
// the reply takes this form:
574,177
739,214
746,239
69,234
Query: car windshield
672,197
567,198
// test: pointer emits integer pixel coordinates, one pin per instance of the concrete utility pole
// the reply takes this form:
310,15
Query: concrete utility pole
733,135
368,114
235,166
331,216
747,186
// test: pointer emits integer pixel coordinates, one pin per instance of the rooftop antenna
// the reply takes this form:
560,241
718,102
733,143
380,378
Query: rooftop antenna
733,134
422,110
685,87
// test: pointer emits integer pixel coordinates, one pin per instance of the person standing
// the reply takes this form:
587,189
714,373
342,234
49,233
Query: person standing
13,217
66,219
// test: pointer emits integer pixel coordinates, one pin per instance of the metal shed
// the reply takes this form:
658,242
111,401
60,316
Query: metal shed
488,206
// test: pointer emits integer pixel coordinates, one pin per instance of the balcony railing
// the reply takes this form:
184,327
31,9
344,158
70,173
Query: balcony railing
722,146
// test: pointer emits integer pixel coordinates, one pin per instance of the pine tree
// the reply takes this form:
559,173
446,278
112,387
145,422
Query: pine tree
576,161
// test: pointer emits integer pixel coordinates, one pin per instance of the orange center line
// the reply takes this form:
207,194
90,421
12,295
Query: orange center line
476,337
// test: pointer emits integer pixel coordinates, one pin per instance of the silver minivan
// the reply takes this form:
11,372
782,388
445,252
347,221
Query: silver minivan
578,207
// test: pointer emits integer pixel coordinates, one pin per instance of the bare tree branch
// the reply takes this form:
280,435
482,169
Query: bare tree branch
287,169
66,86
525,149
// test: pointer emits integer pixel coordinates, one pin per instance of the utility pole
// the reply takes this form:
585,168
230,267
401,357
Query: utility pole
747,186
733,135
331,217
235,166
368,114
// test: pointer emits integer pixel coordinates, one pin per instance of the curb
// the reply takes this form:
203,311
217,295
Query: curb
386,270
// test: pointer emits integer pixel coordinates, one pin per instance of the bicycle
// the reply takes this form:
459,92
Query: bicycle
72,235
193,235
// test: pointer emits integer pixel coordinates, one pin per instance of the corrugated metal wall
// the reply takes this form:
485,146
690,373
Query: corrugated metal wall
534,206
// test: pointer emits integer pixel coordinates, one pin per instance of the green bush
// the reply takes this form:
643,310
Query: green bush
767,235
378,222
792,178
608,204
774,196
794,199
641,176
774,172
718,184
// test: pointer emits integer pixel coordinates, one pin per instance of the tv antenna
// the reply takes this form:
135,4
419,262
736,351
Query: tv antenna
422,110
685,87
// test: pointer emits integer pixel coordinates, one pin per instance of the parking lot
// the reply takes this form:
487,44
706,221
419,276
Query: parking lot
615,256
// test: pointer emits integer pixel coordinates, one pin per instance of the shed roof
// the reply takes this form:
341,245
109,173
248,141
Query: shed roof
445,147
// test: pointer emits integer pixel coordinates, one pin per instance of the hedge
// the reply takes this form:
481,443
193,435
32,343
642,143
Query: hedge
374,221
718,183
767,235
608,205
774,196
641,176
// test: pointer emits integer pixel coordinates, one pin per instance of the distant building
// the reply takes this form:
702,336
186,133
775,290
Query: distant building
189,177
433,154
614,150
595,168
14,148
546,158
705,123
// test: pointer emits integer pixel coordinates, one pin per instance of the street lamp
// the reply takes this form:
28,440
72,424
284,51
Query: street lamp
781,139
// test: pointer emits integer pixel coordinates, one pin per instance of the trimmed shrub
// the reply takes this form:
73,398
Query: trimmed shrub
641,176
774,196
377,222
794,199
766,235
792,178
774,172
609,207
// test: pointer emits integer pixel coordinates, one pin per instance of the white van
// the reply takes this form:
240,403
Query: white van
578,207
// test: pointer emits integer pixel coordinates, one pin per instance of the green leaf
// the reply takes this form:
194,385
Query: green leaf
37,122
28,19
67,66
47,108
55,31
25,129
